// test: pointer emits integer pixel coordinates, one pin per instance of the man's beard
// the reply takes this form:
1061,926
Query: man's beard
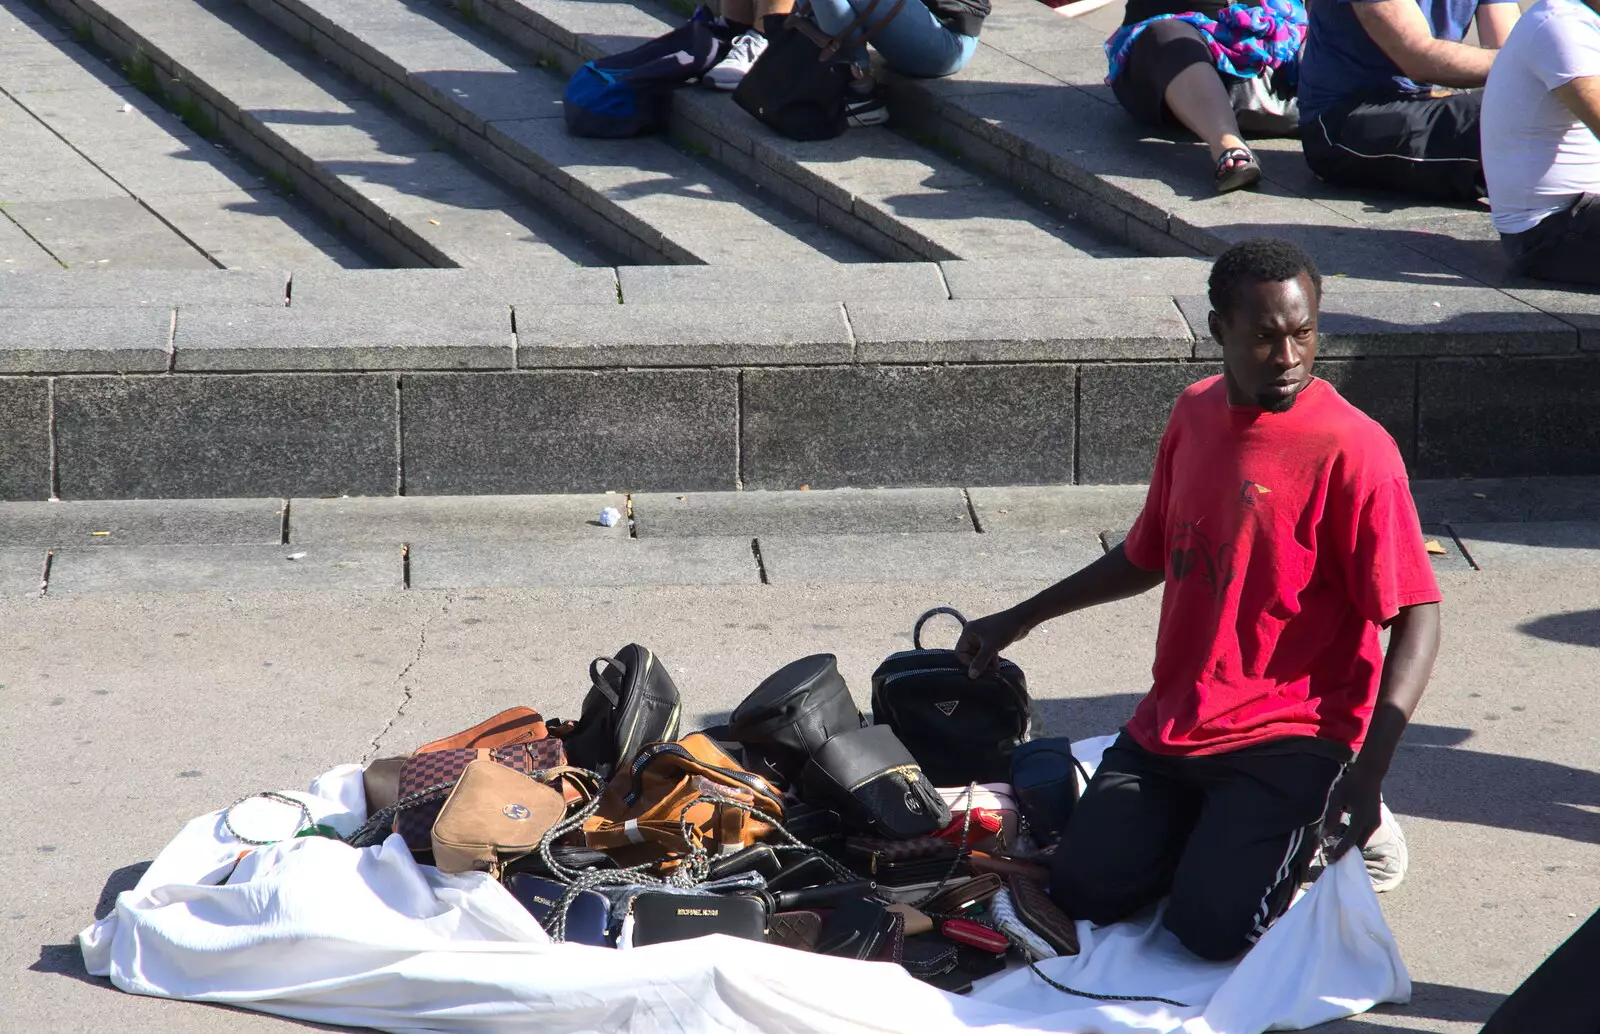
1273,404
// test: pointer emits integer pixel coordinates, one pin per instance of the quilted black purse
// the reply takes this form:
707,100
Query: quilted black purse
960,730
798,84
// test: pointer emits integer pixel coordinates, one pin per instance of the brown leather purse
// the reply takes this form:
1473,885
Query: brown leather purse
494,815
513,725
649,806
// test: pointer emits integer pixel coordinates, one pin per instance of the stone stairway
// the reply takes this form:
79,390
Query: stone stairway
902,199
392,187
392,131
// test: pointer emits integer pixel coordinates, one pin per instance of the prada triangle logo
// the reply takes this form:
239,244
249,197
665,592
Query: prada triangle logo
947,707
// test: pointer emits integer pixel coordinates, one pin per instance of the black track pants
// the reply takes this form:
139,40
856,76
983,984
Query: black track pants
1228,836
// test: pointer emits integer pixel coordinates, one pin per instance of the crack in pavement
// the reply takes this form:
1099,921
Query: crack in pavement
405,690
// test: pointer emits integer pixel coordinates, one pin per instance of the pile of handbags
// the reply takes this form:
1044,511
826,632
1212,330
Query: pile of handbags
921,839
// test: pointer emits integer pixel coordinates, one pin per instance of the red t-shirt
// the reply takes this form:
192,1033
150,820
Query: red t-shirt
1287,539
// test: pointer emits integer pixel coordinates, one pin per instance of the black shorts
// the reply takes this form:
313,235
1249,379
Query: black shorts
1425,146
1227,836
1563,247
1161,53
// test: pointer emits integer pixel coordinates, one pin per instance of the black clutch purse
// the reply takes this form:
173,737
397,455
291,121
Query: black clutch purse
660,916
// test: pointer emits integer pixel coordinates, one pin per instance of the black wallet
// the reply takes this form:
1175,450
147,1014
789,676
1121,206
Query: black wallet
660,916
801,870
588,917
857,929
826,896
758,858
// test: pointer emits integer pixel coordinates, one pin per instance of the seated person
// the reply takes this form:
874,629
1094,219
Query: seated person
925,39
1168,68
1280,525
1541,156
1376,104
749,19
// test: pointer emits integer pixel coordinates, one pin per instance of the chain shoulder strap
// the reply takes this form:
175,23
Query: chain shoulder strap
268,795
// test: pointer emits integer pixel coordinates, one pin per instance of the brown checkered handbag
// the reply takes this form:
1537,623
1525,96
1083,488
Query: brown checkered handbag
443,768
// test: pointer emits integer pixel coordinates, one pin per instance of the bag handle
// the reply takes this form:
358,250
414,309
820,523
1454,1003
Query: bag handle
599,681
829,46
916,630
749,780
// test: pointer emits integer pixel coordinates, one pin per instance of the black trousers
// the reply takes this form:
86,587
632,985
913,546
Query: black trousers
1163,51
1564,247
1558,998
1424,146
1228,836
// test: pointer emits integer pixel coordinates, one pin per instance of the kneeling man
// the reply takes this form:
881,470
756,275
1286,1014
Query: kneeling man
1280,525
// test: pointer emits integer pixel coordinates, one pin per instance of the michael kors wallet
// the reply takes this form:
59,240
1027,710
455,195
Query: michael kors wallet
660,916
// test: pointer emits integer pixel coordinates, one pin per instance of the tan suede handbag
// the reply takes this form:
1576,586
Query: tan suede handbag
679,797
494,815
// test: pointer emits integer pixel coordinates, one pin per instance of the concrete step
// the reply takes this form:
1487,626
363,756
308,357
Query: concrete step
310,128
97,174
901,199
646,198
846,536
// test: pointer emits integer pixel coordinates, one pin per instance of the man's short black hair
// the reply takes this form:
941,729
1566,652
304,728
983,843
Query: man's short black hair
1260,260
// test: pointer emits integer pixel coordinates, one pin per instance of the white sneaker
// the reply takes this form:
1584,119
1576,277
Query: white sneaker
730,72
1386,854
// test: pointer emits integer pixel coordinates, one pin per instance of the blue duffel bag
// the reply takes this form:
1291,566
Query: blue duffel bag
629,93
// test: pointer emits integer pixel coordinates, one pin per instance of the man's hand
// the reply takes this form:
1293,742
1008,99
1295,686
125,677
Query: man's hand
1357,804
982,640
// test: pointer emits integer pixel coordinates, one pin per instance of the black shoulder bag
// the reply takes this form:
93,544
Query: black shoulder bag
797,86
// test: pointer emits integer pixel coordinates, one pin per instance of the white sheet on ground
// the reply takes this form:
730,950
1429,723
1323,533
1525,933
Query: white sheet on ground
313,929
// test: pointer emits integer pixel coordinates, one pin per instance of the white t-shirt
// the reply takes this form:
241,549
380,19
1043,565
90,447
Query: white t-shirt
1537,156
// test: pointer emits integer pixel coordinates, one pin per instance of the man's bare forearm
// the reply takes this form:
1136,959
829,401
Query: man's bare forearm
1112,577
1413,646
1451,64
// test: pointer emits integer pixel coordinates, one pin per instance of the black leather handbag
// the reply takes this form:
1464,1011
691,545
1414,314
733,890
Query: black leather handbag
1044,780
960,730
791,715
798,85
632,701
875,784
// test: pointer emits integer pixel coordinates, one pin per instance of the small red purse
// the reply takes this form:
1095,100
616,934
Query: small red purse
975,935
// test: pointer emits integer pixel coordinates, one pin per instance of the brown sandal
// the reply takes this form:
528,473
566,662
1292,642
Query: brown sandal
1246,172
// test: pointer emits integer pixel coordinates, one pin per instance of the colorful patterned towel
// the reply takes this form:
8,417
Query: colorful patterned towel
1244,39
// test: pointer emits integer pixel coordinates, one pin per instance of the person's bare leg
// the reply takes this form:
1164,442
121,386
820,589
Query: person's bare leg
740,12
1196,97
752,12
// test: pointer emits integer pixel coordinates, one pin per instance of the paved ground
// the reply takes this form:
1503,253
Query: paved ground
129,711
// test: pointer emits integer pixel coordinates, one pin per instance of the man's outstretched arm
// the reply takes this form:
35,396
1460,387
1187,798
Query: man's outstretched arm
1112,577
1413,647
1401,32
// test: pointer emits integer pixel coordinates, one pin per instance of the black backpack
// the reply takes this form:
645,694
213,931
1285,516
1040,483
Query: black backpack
961,730
797,86
630,93
632,701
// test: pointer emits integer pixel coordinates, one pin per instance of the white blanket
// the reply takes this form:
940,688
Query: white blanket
314,929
